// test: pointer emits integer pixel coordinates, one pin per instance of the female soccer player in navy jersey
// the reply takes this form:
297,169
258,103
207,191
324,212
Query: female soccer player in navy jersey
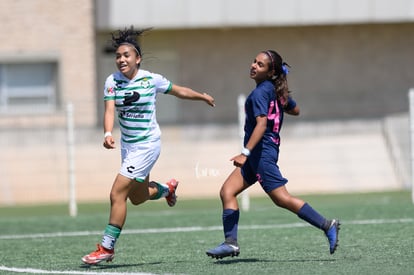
131,91
264,108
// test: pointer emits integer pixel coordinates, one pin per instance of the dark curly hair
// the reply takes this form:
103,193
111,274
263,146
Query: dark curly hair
279,77
128,36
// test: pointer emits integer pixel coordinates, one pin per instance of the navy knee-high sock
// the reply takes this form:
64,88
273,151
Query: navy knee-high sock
230,224
308,214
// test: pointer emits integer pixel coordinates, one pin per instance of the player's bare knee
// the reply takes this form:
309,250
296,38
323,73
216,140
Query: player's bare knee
112,198
222,193
226,195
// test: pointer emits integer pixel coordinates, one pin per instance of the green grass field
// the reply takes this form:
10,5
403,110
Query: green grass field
377,237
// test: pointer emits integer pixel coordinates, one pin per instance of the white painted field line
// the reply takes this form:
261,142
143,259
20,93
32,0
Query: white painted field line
194,229
70,272
161,230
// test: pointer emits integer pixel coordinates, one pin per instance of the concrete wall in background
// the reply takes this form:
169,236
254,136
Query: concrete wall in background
337,72
62,31
334,157
176,14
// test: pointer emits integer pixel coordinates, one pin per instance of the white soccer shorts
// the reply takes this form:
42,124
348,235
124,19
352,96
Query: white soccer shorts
139,158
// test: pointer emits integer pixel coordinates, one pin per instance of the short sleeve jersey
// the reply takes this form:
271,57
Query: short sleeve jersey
262,101
137,120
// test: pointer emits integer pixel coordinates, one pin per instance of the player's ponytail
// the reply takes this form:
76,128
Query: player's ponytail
279,77
128,37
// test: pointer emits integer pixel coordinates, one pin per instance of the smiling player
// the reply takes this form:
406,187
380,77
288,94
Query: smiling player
131,91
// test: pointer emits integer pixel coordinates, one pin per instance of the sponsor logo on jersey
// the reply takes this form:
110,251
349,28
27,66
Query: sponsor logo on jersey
125,114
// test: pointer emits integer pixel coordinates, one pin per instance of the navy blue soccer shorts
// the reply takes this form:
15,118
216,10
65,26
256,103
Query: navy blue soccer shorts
264,170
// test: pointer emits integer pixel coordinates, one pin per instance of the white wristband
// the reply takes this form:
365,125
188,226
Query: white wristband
245,152
107,134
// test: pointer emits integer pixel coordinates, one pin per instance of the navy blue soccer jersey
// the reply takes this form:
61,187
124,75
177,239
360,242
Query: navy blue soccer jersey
262,165
262,101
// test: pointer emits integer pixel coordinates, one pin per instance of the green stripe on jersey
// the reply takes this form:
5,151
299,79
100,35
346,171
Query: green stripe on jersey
143,78
136,104
141,111
132,88
168,89
134,119
147,95
133,128
136,139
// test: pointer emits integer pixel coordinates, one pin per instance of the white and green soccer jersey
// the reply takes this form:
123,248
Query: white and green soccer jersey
137,119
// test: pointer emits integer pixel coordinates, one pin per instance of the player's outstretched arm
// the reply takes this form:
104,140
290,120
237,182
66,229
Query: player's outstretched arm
187,93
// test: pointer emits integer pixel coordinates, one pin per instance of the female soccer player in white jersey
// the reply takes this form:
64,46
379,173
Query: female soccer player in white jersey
264,109
131,91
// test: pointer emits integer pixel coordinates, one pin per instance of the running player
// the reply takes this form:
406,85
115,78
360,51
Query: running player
131,91
264,109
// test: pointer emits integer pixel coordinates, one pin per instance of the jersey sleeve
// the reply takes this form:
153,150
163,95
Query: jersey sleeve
109,90
291,103
162,84
260,103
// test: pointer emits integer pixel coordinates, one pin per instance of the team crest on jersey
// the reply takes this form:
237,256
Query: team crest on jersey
145,83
